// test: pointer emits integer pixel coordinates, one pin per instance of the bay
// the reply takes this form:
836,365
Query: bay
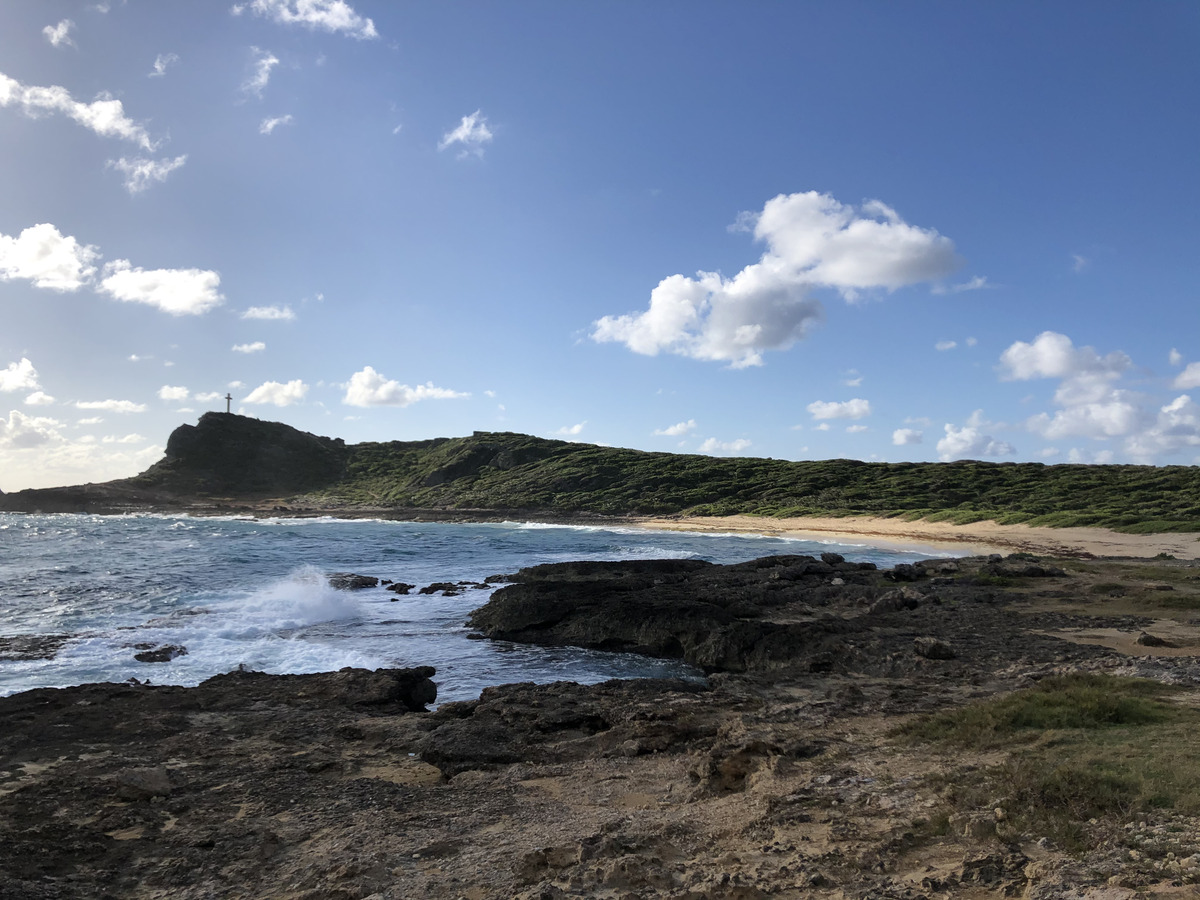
96,590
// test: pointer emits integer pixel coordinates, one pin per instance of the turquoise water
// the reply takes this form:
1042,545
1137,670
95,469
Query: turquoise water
253,592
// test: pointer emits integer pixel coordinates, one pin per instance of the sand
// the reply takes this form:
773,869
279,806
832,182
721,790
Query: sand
978,537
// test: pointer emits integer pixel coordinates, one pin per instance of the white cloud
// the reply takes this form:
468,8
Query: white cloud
256,347
140,173
176,291
127,439
1188,378
60,35
572,430
269,125
1176,426
904,437
39,398
264,62
104,115
369,388
117,406
812,241
472,134
850,409
1175,358
1090,403
971,342
970,442
47,258
713,447
278,394
856,429
853,378
945,345
824,426
22,431
678,429
19,376
91,420
1079,263
279,313
161,63
168,392
335,16
209,397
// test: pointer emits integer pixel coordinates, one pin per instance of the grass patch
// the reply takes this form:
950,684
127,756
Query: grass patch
1085,747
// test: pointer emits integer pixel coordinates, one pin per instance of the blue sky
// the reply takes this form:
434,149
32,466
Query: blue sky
882,231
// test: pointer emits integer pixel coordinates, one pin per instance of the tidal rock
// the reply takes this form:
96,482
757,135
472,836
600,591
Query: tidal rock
163,653
932,648
348,581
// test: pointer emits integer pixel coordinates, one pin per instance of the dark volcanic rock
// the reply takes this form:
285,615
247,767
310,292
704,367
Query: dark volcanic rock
711,616
164,653
230,454
348,581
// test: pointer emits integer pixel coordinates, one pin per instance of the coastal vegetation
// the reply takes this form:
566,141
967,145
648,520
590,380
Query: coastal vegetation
228,458
1090,746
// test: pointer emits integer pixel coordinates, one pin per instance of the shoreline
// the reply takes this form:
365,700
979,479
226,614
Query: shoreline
889,533
982,537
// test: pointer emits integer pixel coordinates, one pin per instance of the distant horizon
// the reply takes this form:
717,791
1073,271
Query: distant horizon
863,230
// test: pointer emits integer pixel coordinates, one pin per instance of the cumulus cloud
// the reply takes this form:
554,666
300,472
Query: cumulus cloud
277,313
255,347
1188,378
1175,358
905,437
209,396
969,442
278,394
47,258
141,173
39,398
813,241
1090,403
180,292
260,76
117,406
161,63
335,16
369,388
104,115
713,447
60,35
572,430
849,409
22,431
269,125
472,135
1176,426
945,345
169,392
19,376
678,429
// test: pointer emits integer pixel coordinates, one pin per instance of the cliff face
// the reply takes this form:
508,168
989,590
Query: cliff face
225,454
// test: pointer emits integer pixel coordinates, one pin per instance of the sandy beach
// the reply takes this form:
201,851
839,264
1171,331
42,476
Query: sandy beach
979,537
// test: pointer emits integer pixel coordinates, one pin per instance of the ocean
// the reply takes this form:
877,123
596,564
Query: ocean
93,591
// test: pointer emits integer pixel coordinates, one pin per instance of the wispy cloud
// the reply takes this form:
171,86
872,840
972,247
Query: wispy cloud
713,446
60,35
104,115
260,76
277,313
117,406
256,347
334,16
269,125
471,135
161,63
140,173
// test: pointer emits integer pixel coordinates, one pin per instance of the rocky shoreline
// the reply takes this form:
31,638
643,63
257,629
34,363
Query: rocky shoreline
782,776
